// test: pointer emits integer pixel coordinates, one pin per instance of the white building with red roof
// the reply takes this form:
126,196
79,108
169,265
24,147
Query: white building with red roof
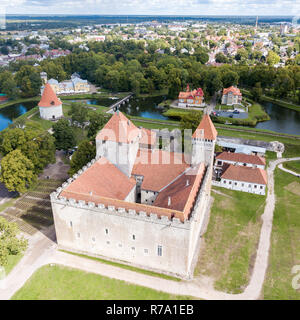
50,106
246,179
231,96
136,203
240,159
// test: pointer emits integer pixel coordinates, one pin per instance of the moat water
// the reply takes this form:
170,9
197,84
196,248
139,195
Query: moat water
282,120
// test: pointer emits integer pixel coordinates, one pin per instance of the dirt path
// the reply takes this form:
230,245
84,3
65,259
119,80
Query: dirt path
43,251
289,171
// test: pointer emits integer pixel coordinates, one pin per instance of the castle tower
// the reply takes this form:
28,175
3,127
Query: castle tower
118,142
203,142
50,106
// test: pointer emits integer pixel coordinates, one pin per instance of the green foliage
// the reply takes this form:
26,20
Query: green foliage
272,58
17,172
79,113
64,135
97,121
37,146
191,120
85,153
10,243
29,80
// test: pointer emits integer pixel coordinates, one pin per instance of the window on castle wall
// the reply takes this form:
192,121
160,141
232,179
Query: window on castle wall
93,239
106,231
146,251
159,251
78,235
133,248
133,237
71,224
107,242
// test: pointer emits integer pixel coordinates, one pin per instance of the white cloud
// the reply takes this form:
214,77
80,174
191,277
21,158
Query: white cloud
173,7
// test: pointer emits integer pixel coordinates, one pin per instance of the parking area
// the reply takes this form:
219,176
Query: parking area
232,114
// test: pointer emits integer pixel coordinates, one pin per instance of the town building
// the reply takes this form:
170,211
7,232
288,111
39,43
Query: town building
231,96
243,178
136,203
50,106
73,86
240,159
194,98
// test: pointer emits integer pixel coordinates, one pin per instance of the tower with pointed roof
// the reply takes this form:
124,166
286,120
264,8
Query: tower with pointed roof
119,141
203,142
50,105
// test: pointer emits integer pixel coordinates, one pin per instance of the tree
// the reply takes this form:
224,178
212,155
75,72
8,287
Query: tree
29,80
85,153
257,92
8,84
10,242
272,58
79,113
221,58
17,172
97,121
230,78
191,120
63,134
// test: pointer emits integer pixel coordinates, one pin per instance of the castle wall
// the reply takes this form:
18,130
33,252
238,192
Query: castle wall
129,236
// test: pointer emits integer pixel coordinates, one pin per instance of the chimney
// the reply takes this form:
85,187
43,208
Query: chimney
91,193
187,183
169,201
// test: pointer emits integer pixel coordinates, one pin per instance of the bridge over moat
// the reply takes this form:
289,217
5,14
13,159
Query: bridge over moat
116,105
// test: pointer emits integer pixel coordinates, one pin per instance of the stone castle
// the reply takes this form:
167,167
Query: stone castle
136,203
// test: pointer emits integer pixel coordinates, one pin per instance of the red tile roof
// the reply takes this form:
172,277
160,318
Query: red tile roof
49,98
101,179
206,129
241,157
245,174
182,191
119,129
232,89
158,167
191,94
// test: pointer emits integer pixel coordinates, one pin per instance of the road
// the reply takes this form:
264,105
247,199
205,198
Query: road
43,250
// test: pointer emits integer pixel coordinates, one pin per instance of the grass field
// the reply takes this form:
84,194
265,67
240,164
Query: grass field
285,241
62,283
293,165
12,261
230,243
124,266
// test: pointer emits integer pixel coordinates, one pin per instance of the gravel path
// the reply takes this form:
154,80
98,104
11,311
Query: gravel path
42,251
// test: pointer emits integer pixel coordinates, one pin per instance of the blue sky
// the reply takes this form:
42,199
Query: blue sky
154,7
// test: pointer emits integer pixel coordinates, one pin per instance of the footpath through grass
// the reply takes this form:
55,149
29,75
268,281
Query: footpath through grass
285,239
293,165
62,283
230,243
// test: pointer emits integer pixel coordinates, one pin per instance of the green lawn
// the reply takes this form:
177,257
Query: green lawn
125,266
62,283
230,243
285,241
12,261
293,165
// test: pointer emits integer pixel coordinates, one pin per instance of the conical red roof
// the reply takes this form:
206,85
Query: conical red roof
49,98
206,128
119,129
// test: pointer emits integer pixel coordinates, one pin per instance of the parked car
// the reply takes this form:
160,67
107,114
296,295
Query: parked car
236,111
